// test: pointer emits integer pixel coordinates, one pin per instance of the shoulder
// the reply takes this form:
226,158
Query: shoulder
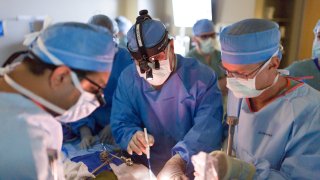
128,76
300,65
191,70
304,100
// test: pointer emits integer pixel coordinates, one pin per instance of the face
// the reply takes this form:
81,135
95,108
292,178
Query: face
248,71
163,56
205,43
65,94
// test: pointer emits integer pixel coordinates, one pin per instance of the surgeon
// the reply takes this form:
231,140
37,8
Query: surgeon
279,119
176,99
206,50
124,25
60,79
98,123
309,70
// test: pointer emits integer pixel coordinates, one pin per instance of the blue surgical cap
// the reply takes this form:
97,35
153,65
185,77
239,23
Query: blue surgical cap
104,21
76,45
124,24
203,26
152,32
317,27
249,41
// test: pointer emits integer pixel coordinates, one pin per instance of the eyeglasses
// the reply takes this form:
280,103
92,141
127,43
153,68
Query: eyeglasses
99,93
242,76
206,36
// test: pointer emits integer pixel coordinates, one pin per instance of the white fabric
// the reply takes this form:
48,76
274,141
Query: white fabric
135,172
26,132
75,171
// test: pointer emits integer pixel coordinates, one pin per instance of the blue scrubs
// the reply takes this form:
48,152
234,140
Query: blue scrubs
184,116
97,120
282,139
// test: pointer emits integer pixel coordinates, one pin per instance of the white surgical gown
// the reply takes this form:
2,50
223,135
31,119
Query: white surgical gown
27,134
283,138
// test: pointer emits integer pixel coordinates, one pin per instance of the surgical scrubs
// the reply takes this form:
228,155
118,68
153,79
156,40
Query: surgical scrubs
184,116
28,136
97,120
215,61
282,139
307,68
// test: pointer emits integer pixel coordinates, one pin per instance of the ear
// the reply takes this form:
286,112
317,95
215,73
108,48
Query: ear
275,62
59,77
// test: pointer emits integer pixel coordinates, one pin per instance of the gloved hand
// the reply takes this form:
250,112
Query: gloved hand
174,169
86,137
105,135
75,171
138,143
221,166
135,172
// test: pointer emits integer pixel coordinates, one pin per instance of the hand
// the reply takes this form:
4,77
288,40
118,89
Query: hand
135,172
86,137
86,142
203,166
138,143
73,170
174,169
221,166
105,135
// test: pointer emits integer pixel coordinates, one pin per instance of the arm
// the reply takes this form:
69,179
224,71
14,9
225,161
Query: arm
89,122
124,120
206,133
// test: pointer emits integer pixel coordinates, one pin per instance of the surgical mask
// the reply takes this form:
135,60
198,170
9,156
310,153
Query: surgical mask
316,49
159,75
206,46
243,88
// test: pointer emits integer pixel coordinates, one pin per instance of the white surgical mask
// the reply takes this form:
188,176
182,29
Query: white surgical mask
243,88
160,75
206,45
316,48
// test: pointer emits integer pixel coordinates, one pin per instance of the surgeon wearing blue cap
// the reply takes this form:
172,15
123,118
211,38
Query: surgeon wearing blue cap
176,99
206,50
279,120
98,122
309,69
59,80
124,25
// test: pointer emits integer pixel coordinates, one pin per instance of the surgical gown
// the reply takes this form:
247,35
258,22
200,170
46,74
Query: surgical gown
97,120
28,135
307,68
215,60
282,139
184,116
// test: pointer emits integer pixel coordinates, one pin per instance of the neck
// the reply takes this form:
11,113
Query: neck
267,96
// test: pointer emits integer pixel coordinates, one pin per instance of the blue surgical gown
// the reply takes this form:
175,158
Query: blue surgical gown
282,139
184,116
97,120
